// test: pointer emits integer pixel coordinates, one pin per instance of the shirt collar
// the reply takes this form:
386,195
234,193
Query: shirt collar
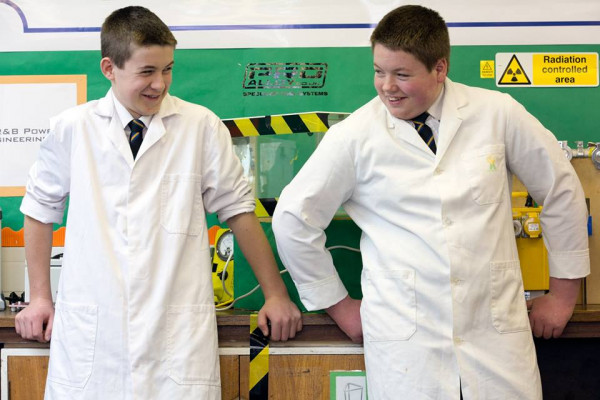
436,108
126,117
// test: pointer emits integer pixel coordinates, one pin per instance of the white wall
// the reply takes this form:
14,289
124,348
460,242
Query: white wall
13,269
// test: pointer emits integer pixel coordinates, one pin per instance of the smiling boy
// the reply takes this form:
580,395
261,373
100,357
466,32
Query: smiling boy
135,83
135,317
443,313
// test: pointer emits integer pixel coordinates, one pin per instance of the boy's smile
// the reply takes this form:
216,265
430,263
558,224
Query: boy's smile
404,84
144,80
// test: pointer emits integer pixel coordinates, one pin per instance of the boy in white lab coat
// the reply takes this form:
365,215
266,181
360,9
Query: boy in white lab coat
443,313
134,316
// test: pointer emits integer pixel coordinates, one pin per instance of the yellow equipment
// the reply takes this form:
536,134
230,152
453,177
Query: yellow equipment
533,255
222,271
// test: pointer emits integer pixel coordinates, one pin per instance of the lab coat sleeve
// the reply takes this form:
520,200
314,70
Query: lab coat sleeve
48,182
225,189
535,157
305,208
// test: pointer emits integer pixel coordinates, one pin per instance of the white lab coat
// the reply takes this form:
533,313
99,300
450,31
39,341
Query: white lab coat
442,290
134,316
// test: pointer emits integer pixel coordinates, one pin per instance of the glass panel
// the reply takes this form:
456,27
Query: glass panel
271,161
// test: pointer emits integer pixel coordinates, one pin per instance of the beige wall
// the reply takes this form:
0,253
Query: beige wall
590,180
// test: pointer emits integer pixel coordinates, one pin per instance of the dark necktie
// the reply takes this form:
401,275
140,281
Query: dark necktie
425,131
136,137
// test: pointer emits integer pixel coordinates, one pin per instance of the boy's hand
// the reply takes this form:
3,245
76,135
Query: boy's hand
285,318
550,313
35,321
346,315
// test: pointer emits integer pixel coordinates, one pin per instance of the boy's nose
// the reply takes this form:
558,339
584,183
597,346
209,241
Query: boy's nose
158,82
388,83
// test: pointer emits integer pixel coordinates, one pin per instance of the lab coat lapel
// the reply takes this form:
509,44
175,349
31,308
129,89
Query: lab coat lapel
451,118
157,129
404,130
116,134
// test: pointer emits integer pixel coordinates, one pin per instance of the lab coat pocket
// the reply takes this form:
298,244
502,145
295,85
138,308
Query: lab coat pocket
181,208
192,347
508,306
389,307
73,344
486,171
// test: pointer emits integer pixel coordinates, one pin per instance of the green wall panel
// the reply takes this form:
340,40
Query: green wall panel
215,79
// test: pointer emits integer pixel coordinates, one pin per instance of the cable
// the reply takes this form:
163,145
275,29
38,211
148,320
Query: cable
343,247
223,276
229,303
283,271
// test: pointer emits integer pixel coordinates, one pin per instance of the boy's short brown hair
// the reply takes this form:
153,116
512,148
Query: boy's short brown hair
416,30
132,26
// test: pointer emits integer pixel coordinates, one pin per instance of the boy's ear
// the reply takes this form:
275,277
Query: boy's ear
107,68
441,67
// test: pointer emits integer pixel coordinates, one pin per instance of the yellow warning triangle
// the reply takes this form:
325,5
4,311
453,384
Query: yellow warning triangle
487,67
514,74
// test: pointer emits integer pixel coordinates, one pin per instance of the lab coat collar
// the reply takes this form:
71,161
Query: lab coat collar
450,122
156,130
451,118
404,130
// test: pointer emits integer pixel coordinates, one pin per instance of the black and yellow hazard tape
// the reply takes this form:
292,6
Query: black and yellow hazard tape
312,122
265,207
282,124
259,362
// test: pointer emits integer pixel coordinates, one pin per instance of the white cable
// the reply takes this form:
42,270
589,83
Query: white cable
343,247
257,286
245,295
229,257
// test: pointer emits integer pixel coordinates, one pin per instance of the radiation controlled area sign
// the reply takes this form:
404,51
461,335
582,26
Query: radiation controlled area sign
547,69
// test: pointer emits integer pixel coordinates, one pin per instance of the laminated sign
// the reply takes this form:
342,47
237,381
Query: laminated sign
547,69
26,105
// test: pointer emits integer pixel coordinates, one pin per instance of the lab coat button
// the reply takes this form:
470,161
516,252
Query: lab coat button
458,341
447,221
438,171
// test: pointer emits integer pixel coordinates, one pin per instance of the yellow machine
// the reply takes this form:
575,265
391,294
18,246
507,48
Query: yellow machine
222,260
532,251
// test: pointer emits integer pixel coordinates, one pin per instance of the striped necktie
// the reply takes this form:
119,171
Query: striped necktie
425,131
136,137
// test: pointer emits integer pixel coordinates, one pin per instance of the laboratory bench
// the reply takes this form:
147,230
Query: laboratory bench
300,368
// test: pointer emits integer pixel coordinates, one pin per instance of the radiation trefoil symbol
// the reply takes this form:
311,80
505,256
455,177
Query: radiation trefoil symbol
514,74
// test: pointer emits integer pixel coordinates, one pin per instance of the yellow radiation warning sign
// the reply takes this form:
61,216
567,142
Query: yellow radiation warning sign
565,69
486,69
547,69
514,74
